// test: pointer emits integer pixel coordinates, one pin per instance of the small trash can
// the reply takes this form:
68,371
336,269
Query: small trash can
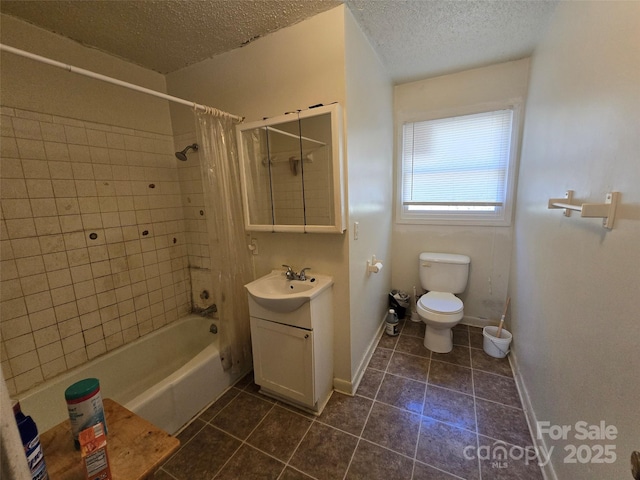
494,346
399,301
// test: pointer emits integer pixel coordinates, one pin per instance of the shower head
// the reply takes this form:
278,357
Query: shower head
182,155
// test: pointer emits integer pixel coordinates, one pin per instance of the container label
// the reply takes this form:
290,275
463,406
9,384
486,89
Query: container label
392,329
86,414
96,462
35,460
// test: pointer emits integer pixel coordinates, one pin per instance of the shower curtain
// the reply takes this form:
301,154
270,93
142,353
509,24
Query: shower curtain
230,259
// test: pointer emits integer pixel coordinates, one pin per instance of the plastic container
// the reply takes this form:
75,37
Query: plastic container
399,301
84,403
31,442
494,346
392,325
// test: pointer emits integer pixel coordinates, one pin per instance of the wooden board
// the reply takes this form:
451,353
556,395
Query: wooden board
136,447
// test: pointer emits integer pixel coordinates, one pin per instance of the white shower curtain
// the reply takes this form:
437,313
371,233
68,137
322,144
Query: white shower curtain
230,257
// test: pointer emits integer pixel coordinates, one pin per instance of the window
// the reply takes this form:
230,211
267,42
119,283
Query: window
458,170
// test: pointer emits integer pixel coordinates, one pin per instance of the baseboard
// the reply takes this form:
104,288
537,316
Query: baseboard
350,387
342,386
547,470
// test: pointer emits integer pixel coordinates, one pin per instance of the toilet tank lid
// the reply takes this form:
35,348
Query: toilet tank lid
445,258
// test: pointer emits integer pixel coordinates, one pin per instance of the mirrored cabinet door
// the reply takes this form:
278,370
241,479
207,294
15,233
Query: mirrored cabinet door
291,170
286,172
318,169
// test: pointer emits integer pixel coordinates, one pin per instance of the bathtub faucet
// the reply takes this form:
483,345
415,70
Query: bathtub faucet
205,312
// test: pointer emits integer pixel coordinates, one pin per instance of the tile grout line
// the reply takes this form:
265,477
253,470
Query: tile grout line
370,410
424,405
242,442
475,412
287,463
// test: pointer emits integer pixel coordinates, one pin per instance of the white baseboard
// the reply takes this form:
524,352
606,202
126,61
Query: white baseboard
349,387
547,470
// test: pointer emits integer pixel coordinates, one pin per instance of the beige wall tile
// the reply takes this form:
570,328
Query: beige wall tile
34,284
16,208
42,319
52,132
30,265
67,298
76,357
57,151
46,336
51,351
54,367
14,327
96,349
28,379
13,308
38,188
24,362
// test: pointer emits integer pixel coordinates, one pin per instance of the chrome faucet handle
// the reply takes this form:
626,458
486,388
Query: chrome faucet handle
302,276
290,274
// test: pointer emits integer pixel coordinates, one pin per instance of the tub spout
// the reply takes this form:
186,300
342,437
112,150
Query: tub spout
206,312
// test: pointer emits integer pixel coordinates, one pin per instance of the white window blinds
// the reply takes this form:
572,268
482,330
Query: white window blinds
456,164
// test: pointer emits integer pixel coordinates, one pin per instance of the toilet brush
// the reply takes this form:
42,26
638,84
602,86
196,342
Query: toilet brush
502,318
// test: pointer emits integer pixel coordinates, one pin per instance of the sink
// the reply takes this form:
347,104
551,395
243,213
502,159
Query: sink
274,292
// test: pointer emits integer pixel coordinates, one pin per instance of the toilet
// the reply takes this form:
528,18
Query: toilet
442,275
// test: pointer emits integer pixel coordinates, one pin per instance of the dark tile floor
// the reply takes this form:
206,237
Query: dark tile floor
416,415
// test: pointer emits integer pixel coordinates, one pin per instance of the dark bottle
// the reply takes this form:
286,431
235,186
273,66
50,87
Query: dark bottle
31,442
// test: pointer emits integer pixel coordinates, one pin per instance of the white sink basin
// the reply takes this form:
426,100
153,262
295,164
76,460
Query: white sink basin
274,292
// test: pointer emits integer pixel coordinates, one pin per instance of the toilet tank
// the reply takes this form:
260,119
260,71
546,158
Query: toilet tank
444,272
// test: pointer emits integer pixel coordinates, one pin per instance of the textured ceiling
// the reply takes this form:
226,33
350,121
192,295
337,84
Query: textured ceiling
414,38
164,35
424,38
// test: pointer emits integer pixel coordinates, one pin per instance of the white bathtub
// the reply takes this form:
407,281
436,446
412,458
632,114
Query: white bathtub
166,377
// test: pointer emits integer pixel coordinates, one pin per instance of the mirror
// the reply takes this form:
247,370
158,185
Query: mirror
291,168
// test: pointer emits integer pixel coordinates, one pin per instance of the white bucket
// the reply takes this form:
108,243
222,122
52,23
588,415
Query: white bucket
494,346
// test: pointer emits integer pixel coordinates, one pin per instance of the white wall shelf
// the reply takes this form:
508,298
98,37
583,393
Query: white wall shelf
606,210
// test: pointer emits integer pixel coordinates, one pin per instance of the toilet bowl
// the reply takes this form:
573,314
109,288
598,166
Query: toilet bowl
441,275
440,311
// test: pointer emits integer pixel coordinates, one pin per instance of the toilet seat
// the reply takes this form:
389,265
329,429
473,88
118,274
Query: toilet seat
440,303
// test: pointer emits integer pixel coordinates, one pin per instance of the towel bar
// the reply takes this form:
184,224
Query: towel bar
606,210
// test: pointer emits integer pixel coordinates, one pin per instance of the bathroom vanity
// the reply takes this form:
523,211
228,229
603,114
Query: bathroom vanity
292,338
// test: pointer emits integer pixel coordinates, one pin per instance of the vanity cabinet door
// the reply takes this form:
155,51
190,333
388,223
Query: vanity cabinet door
283,360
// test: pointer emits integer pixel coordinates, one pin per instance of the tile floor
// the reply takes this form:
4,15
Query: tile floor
414,416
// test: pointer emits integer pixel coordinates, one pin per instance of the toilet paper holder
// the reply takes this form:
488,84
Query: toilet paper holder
373,266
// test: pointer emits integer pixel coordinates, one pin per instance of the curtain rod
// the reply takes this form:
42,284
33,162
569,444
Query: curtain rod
114,81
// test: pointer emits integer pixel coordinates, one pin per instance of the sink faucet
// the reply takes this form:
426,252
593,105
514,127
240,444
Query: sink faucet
302,276
291,275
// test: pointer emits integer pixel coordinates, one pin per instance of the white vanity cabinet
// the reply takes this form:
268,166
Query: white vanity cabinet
293,352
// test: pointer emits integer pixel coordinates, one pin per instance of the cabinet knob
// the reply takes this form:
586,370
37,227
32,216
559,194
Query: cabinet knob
306,336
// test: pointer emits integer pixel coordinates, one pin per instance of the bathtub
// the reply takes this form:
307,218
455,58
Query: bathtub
166,377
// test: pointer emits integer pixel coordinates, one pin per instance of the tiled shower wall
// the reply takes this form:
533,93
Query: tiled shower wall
93,245
195,217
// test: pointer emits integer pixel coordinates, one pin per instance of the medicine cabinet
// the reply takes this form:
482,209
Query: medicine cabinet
292,174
